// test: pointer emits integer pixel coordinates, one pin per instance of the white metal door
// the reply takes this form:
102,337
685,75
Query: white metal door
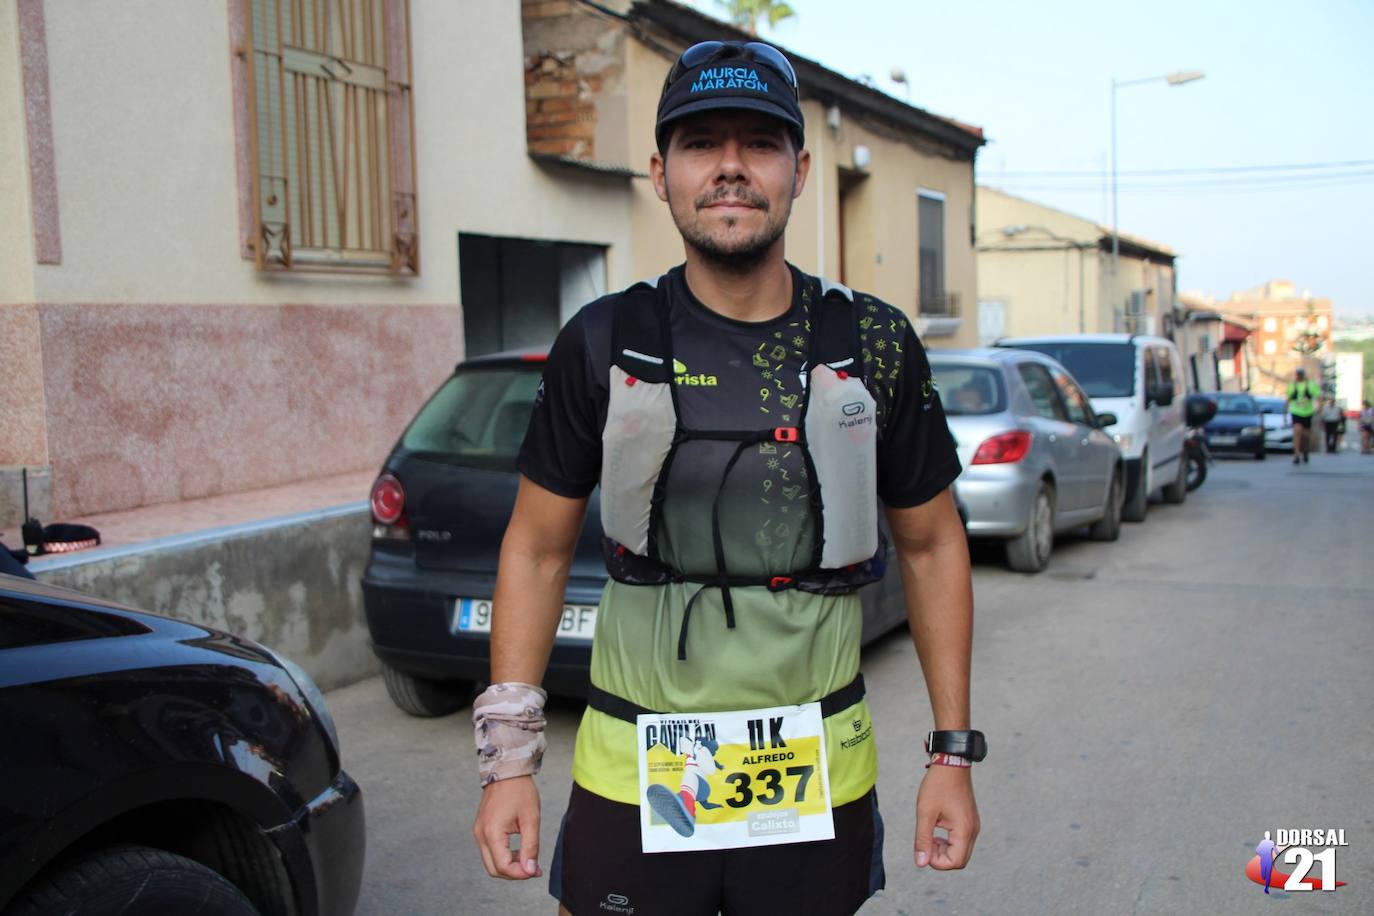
992,321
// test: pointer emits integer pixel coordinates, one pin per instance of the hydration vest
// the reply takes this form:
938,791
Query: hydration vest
1301,395
837,434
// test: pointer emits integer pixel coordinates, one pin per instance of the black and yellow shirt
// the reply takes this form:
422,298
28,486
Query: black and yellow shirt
787,647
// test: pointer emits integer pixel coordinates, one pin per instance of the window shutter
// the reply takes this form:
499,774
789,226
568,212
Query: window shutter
334,163
400,117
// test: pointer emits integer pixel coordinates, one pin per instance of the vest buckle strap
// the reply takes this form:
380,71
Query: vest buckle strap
786,434
836,701
779,583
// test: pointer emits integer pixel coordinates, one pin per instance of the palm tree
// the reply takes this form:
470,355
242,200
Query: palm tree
745,13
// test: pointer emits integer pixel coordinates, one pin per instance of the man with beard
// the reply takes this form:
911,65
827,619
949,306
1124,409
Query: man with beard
742,419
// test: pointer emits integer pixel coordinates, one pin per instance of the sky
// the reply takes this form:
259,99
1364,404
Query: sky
1286,83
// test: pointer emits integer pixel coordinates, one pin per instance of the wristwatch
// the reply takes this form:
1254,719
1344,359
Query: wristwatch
970,745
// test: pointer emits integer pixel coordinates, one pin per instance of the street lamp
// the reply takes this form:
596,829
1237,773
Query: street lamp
1173,79
898,76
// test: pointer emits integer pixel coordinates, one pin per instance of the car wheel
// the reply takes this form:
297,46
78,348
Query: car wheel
1108,528
1197,471
131,881
1138,499
1176,492
425,697
1030,550
1261,454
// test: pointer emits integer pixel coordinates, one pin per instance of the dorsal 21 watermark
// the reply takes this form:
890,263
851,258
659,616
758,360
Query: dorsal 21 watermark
1295,846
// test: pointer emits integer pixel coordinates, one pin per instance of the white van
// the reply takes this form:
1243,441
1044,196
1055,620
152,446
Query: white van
1141,380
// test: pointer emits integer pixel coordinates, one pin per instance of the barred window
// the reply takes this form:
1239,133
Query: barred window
930,229
333,136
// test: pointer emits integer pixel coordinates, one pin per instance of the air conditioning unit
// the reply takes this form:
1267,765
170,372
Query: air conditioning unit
1136,304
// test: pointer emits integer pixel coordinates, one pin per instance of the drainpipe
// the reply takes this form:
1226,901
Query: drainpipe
818,156
1082,314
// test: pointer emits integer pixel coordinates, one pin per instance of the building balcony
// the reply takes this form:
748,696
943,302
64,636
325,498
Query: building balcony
939,315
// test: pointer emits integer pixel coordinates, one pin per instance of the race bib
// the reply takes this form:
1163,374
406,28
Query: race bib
724,780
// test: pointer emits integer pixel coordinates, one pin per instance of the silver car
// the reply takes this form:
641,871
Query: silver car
1278,426
1035,458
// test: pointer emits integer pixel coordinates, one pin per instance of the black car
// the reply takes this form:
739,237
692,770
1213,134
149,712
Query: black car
1237,427
152,767
440,508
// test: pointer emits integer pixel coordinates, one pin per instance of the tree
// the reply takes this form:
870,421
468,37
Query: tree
745,14
1309,339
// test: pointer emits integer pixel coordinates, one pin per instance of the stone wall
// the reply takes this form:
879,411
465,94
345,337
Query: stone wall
292,584
149,404
575,103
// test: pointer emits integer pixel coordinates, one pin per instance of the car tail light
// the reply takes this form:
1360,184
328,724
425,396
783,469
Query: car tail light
389,508
1004,448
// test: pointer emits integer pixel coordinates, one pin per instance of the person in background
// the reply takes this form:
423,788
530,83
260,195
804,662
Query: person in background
1302,404
1366,429
1333,423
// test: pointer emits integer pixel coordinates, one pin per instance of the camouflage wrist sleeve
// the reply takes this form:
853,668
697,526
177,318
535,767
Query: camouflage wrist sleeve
508,722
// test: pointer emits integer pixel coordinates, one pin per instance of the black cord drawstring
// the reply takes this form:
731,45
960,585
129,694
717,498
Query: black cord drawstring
716,539
687,615
723,576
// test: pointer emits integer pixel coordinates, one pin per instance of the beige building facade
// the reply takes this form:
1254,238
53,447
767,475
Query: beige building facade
148,356
245,253
890,189
1215,346
1291,328
1044,271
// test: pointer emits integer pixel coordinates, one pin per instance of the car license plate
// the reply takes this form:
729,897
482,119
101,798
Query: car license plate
1224,440
473,615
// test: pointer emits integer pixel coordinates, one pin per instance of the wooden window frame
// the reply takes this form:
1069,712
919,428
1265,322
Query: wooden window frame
388,185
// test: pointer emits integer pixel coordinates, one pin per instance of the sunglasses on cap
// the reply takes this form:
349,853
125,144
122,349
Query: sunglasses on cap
704,52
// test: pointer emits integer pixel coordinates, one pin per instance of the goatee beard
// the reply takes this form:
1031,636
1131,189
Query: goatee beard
741,257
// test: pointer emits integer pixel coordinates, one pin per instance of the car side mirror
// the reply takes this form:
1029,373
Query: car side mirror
1198,410
1106,419
1162,394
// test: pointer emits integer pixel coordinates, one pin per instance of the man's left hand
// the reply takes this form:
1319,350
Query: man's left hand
945,799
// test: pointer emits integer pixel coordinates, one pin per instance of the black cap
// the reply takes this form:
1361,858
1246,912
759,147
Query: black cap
731,82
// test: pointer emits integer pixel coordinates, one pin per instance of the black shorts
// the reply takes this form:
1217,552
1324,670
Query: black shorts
1304,422
598,867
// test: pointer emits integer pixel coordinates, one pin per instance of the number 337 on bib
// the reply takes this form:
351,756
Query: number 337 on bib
725,780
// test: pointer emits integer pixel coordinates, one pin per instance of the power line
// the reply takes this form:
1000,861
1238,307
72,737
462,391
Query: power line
1234,181
1218,170
1315,182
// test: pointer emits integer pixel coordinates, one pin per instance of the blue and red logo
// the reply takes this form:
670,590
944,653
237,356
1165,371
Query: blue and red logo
1297,847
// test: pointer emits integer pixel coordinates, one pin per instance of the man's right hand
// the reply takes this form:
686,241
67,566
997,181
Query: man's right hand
509,806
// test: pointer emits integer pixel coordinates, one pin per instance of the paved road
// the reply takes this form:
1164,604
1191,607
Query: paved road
1152,707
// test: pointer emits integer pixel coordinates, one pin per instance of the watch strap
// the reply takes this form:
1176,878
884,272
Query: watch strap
971,745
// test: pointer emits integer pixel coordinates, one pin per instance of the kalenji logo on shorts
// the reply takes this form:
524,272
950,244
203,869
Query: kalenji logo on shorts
617,903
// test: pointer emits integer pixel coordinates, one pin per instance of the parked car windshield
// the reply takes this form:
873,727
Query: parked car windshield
1236,404
478,417
1102,370
968,390
1271,405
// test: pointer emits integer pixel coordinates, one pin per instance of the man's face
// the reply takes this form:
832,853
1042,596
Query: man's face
729,178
